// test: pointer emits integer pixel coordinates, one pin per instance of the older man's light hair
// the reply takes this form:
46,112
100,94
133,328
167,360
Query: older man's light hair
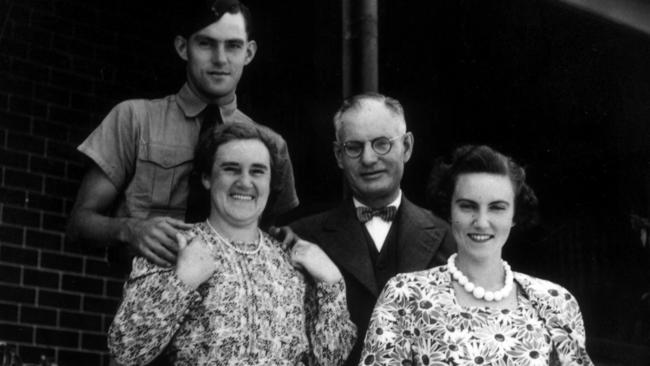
357,101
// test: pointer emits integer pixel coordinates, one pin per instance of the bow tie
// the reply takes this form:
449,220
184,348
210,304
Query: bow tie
365,214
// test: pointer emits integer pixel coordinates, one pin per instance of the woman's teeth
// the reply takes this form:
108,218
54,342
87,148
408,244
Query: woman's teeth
241,197
480,237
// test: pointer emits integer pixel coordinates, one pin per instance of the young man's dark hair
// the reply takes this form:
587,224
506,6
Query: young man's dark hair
194,15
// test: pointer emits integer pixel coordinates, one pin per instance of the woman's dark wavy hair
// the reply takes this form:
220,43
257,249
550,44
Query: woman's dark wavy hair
479,159
210,141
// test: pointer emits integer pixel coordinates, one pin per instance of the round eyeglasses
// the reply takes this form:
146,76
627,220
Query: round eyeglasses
380,145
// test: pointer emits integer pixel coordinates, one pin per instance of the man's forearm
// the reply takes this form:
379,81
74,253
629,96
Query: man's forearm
88,226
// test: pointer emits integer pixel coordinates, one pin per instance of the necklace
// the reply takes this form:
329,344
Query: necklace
232,244
478,291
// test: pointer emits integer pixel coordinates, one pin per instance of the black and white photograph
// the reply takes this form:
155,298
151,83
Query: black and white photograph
325,183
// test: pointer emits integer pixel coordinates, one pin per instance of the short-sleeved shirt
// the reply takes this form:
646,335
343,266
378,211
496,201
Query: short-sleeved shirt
146,148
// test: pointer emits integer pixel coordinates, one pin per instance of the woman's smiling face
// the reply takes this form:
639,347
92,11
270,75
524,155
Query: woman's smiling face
239,183
482,211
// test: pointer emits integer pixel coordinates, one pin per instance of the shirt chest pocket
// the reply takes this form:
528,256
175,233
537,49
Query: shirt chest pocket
162,174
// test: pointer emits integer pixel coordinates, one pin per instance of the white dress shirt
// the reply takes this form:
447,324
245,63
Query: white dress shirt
378,228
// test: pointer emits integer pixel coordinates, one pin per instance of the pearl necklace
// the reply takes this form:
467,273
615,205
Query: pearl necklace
478,291
232,246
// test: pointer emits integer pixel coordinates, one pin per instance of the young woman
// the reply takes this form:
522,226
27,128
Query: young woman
475,310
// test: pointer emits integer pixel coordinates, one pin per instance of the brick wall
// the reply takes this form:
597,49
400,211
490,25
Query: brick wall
63,64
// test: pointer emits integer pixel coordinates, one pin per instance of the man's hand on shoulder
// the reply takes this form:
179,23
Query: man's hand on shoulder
310,257
195,261
284,235
155,238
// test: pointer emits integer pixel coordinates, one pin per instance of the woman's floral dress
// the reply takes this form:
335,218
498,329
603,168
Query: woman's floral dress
254,310
417,321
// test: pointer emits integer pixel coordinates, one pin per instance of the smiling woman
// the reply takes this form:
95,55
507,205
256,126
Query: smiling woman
235,295
482,212
475,310
239,182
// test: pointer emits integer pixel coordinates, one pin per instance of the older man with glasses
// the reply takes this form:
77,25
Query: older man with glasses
378,232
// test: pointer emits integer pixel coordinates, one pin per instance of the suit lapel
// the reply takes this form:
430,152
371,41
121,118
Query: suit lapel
419,239
347,245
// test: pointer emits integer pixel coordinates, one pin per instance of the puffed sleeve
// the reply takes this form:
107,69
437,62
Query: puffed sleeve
331,332
154,304
388,340
568,331
561,314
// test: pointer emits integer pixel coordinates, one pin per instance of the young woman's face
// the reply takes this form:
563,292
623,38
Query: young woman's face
482,212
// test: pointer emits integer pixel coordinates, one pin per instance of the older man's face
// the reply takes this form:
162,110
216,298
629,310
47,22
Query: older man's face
374,178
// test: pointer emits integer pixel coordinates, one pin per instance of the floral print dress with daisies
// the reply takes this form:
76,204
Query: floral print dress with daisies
256,309
417,321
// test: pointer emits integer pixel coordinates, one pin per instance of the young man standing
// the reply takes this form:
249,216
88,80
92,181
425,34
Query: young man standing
136,192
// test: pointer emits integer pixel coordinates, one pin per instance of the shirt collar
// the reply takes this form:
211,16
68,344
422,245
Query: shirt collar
395,203
192,105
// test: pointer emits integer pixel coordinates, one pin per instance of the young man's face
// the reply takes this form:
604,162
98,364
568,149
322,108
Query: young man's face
216,56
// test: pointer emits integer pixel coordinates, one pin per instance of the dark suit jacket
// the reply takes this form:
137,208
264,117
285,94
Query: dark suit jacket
425,241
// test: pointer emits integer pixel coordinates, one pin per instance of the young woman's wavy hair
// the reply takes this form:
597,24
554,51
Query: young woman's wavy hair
479,159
